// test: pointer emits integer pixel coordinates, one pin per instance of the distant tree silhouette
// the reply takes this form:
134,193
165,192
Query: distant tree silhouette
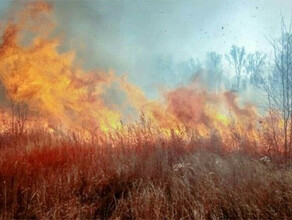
237,58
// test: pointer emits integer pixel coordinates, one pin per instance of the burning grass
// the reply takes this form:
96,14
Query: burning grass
193,154
137,176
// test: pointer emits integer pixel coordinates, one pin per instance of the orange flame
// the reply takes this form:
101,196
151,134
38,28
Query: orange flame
61,93
48,81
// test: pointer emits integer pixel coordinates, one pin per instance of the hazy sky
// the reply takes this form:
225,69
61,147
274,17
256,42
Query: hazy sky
139,37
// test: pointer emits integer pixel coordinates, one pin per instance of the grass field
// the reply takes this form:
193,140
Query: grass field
140,175
80,137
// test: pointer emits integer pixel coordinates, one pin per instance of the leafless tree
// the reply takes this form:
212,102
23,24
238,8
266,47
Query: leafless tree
255,66
236,59
214,70
279,85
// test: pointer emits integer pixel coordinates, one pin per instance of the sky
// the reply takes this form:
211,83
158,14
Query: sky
152,41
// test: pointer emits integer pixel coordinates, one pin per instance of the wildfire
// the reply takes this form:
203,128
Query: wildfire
48,81
61,94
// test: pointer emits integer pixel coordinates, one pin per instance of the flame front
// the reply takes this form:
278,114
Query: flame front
47,80
62,95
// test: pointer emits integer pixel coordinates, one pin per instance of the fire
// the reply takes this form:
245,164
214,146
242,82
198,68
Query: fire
49,82
62,95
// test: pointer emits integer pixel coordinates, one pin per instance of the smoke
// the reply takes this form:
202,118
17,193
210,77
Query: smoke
40,67
46,79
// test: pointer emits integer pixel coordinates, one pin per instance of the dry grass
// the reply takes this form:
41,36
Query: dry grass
138,176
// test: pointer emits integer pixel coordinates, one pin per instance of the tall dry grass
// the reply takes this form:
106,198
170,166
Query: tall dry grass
137,175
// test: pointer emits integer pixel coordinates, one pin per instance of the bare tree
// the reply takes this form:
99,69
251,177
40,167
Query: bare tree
214,70
255,67
279,85
236,58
